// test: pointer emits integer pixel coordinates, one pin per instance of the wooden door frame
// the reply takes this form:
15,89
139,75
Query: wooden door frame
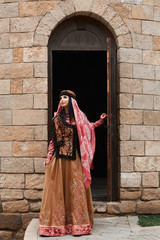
107,44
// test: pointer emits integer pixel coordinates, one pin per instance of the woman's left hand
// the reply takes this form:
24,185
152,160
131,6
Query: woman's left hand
103,115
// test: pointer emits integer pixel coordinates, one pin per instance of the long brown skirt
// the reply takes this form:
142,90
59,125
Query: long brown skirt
66,204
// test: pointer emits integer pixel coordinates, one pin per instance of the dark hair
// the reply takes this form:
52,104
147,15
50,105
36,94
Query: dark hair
70,111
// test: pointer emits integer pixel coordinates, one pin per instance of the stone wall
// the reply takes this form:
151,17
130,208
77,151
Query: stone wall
25,27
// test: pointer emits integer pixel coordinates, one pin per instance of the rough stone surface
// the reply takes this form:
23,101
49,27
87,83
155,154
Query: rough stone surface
27,217
127,164
19,165
5,117
142,12
21,39
35,85
4,25
16,86
35,54
152,118
6,56
17,55
39,165
124,132
40,101
5,235
27,24
141,132
10,194
121,207
35,206
156,43
150,179
129,55
34,181
40,70
152,148
130,180
41,133
151,57
148,207
5,149
29,117
125,70
30,149
12,133
131,85
33,194
156,132
142,41
130,116
143,71
11,180
126,194
16,70
151,28
151,194
144,164
10,221
16,101
125,100
15,206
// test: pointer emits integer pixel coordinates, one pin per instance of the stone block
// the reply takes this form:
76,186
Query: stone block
144,164
152,148
151,57
116,22
158,163
4,41
148,207
28,9
156,43
129,55
124,41
142,41
21,39
10,221
158,72
39,165
5,149
35,54
156,132
141,132
5,235
152,117
121,207
67,7
35,85
126,164
4,102
26,218
4,25
131,85
40,40
4,86
35,206
41,101
151,2
127,194
124,131
41,133
27,24
151,28
44,7
134,26
124,10
11,194
143,101
33,194
19,165
125,100
20,234
156,13
130,180
40,70
125,70
9,10
122,30
149,87
130,116
15,206
34,181
16,70
81,5
143,71
6,56
30,149
17,55
150,179
5,117
156,102
11,180
16,101
16,86
142,12
131,148
151,194
29,117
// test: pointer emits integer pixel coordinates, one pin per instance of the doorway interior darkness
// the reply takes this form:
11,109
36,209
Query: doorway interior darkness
85,73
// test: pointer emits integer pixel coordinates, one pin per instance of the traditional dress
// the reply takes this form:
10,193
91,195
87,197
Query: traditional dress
67,201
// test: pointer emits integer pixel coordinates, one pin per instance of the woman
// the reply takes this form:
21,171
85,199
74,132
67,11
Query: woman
67,202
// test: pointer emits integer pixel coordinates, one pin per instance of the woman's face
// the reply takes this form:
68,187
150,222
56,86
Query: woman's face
64,100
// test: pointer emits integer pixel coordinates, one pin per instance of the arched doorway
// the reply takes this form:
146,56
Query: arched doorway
82,57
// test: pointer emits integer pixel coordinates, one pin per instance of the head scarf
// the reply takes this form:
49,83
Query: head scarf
86,135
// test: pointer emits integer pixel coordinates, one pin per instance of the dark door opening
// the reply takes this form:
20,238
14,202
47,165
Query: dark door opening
85,73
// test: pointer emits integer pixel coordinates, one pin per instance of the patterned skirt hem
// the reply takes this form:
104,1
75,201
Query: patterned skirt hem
62,230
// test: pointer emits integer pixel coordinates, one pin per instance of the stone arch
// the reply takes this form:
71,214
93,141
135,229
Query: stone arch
99,10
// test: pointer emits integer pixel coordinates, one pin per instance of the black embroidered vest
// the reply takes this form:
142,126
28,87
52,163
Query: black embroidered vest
65,138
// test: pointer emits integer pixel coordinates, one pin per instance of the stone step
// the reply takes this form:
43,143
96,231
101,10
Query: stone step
112,228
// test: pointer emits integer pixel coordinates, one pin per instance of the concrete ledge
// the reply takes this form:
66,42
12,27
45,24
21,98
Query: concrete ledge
32,230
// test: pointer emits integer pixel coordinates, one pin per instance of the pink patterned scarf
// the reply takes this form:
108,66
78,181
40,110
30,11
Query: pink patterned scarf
86,135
